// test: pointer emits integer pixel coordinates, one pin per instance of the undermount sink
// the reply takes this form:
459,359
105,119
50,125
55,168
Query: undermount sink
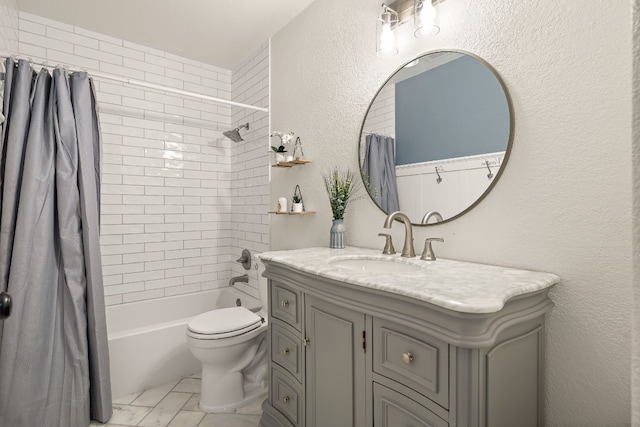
375,266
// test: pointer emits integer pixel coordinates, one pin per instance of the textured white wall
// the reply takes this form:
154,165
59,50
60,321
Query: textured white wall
563,204
8,26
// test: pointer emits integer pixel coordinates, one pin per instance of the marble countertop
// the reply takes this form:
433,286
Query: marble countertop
456,285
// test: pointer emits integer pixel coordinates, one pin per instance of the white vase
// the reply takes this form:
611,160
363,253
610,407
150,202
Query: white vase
296,207
280,157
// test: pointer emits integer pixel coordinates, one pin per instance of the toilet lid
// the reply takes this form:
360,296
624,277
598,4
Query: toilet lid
228,321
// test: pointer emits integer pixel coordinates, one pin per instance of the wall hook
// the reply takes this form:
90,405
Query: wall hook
490,174
439,178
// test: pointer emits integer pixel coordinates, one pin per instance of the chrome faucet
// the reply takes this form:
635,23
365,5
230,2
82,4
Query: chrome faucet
428,215
407,251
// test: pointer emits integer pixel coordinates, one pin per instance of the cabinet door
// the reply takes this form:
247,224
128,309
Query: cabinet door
392,409
335,365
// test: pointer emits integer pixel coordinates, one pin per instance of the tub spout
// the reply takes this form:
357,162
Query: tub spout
244,278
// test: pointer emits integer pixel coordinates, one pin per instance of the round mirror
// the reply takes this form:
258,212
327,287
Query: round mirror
436,137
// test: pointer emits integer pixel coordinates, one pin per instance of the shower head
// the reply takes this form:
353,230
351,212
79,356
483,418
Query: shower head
234,135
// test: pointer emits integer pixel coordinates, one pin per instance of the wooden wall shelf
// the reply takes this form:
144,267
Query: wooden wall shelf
293,213
291,163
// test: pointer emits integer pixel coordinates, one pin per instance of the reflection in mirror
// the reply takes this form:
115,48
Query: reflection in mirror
436,137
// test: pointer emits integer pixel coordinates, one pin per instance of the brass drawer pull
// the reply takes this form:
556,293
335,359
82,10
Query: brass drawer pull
286,399
286,351
407,357
285,303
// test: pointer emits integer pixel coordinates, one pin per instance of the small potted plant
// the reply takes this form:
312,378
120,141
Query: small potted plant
340,186
280,153
296,206
281,150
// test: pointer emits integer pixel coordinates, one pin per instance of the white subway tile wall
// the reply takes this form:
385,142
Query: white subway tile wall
250,165
8,26
176,194
381,117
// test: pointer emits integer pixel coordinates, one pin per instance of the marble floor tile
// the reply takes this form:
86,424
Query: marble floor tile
188,385
163,413
192,404
230,420
153,396
254,408
176,404
126,400
128,415
187,419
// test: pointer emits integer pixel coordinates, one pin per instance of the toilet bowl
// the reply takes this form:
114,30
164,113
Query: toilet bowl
231,345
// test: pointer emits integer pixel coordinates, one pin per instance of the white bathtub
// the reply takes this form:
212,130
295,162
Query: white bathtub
147,345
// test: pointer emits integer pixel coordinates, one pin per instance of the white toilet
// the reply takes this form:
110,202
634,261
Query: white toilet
231,344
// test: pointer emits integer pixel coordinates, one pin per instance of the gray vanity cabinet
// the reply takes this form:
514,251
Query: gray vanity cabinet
335,374
344,355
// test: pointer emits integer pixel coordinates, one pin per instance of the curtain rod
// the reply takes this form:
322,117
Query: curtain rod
134,82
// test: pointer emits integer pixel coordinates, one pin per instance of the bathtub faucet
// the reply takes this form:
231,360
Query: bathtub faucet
244,278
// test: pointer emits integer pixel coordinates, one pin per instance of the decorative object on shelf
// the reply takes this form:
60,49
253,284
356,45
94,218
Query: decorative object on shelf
299,158
280,153
341,187
282,205
297,204
281,150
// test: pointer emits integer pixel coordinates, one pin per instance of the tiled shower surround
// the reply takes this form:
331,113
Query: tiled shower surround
179,200
8,25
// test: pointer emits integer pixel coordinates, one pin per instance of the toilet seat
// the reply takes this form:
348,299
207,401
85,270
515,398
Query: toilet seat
223,323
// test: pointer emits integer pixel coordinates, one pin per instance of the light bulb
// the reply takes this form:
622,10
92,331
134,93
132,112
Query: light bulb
428,14
426,24
387,39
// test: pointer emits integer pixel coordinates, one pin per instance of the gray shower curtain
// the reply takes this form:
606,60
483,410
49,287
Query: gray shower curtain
54,360
380,169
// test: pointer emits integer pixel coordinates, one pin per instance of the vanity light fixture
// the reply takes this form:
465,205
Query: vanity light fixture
424,18
387,44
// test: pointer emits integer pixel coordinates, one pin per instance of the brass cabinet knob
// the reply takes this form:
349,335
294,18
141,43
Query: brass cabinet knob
285,303
286,399
286,351
407,357
306,342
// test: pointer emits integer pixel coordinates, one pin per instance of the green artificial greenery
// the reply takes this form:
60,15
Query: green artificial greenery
340,186
280,149
296,199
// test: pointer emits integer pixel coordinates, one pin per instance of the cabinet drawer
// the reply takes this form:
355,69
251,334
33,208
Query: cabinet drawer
286,348
285,304
286,396
412,358
392,409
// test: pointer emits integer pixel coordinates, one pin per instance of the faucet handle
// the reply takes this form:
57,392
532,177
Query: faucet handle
388,245
428,254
